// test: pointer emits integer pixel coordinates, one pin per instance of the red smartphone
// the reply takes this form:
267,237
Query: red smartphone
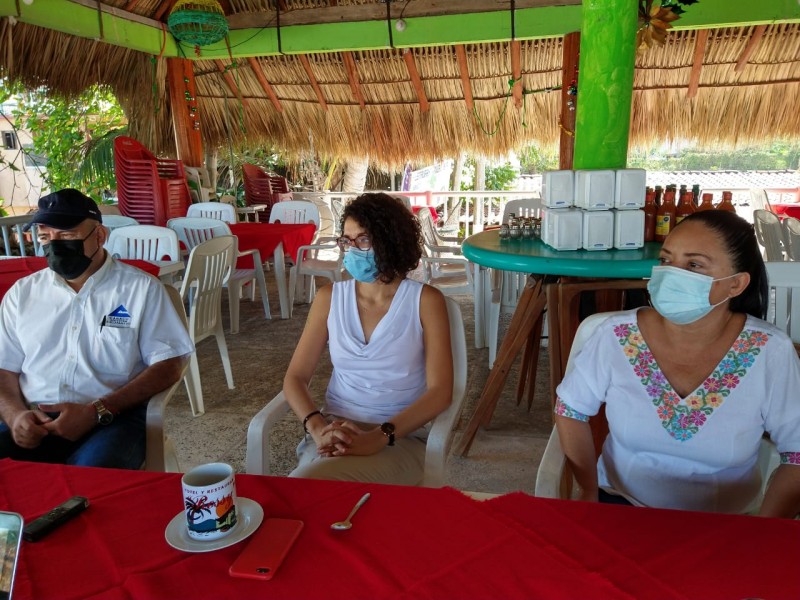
265,552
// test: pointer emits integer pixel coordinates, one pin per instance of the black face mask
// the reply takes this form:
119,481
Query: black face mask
66,257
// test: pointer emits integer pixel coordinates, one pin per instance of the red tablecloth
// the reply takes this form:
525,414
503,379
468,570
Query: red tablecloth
406,543
265,237
12,269
788,210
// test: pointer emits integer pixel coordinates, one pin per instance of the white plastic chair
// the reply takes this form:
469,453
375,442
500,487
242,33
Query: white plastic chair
213,210
160,453
769,233
791,235
550,476
507,286
308,265
113,222
144,242
199,183
439,439
192,231
294,211
210,266
784,310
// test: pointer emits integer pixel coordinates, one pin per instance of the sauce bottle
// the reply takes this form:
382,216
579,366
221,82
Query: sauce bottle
650,210
685,207
707,203
665,217
659,191
696,194
726,203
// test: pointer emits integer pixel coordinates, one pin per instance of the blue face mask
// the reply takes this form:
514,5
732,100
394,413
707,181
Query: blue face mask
681,296
361,265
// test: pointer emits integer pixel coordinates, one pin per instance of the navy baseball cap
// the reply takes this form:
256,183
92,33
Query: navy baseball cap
65,209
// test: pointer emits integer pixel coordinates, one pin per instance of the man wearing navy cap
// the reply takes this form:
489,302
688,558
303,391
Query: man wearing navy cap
83,346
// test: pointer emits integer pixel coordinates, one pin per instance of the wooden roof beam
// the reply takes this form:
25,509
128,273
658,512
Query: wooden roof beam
163,9
265,85
313,81
352,75
461,56
697,64
408,57
230,81
516,70
752,44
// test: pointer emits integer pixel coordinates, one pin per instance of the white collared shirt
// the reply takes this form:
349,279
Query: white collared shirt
77,347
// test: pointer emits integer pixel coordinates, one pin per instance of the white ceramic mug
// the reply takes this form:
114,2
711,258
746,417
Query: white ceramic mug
209,500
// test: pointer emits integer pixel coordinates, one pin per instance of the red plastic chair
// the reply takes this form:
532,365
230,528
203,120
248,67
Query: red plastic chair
257,187
150,189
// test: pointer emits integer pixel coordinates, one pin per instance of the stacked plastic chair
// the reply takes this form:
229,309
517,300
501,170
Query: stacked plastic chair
257,187
151,190
280,188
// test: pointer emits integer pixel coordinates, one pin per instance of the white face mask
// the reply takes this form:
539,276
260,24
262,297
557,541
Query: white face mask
681,296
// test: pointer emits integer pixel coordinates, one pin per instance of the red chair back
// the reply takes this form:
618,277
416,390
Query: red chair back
257,186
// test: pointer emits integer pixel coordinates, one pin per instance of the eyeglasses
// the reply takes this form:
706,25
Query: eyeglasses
362,242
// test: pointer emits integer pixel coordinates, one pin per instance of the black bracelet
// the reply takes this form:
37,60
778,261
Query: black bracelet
308,416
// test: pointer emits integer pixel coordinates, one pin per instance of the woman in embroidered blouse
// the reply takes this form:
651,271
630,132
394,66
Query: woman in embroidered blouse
389,342
689,385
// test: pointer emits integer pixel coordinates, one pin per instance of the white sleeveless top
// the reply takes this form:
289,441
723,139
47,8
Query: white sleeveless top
375,381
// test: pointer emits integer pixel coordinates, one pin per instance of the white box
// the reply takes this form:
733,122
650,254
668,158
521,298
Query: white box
598,229
562,228
594,190
630,188
558,189
628,229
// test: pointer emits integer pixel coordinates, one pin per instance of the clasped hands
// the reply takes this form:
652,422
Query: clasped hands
74,421
344,438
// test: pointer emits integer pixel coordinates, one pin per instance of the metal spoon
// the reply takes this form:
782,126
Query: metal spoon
346,524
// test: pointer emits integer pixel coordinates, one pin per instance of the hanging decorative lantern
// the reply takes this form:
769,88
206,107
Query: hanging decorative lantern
198,22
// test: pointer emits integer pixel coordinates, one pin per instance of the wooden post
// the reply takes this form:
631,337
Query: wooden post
569,60
180,79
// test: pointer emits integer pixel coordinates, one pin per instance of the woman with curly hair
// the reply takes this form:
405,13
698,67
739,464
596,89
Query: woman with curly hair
389,343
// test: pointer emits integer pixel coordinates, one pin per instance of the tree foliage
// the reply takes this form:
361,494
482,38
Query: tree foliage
779,155
65,130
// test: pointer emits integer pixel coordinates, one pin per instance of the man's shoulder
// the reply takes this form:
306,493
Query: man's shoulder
129,273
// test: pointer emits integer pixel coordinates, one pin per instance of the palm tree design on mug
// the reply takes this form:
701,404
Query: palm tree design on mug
196,508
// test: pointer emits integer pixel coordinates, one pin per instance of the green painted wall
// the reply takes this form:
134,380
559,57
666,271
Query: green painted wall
75,19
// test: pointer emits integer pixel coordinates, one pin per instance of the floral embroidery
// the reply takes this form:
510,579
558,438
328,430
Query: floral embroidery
790,458
683,420
565,410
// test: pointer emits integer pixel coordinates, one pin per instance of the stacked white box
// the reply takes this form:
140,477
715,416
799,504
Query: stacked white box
562,228
629,189
628,229
598,229
594,190
558,189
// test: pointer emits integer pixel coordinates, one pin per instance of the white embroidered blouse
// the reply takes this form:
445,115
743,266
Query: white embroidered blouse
692,453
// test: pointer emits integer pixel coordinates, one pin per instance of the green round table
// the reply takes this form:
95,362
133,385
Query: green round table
534,256
486,250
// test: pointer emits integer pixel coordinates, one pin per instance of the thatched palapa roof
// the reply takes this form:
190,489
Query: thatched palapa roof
688,89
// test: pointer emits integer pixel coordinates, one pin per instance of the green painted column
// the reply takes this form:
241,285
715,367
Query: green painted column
605,83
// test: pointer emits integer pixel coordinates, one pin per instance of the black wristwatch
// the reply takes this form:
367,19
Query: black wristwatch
104,416
388,430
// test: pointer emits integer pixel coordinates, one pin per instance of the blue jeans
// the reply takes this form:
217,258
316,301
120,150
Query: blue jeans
119,445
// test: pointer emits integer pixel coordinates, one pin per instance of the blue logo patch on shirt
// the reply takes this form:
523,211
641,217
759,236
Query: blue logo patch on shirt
119,317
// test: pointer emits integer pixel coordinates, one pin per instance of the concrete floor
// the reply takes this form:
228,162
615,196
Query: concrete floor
504,456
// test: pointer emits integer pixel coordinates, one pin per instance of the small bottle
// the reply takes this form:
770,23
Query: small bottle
685,207
707,203
665,217
650,210
514,230
726,203
696,194
659,193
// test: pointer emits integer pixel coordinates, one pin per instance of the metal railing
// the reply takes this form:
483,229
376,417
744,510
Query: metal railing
13,234
479,208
